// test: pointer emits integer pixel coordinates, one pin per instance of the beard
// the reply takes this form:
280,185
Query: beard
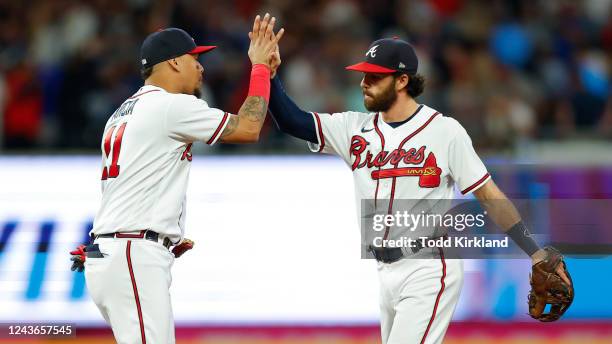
197,92
383,101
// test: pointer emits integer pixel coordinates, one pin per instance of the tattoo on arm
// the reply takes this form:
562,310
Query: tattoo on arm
254,109
231,126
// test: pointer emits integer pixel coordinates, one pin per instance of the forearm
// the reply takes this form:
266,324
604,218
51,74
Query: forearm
498,207
289,118
246,125
250,117
501,210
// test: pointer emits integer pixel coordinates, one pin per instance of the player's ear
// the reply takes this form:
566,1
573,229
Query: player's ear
174,64
401,82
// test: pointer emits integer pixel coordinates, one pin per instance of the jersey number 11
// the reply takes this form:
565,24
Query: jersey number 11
112,171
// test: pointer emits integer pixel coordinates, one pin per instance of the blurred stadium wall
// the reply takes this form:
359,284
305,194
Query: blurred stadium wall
530,81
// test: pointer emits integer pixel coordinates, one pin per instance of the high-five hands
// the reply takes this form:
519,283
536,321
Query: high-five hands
264,43
275,62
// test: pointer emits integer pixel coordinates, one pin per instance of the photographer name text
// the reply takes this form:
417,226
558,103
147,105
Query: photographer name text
442,242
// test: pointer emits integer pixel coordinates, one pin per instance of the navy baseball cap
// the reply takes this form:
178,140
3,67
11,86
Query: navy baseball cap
387,56
167,44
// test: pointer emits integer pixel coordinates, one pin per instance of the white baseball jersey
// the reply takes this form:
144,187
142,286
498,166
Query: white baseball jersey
423,158
146,158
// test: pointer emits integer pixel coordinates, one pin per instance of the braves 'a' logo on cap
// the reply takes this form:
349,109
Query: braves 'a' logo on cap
372,51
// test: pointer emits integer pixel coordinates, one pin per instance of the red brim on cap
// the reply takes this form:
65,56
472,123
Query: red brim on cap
367,67
202,49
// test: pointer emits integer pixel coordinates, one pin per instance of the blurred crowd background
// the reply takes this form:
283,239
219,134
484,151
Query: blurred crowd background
514,73
529,79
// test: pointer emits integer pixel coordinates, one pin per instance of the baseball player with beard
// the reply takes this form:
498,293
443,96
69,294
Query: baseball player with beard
405,150
146,158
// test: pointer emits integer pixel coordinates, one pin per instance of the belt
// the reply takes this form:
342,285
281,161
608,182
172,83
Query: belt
392,255
93,251
146,234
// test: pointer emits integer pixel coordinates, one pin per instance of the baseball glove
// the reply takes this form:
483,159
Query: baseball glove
549,288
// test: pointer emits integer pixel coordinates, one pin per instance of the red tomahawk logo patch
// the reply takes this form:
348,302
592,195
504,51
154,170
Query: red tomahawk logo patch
429,174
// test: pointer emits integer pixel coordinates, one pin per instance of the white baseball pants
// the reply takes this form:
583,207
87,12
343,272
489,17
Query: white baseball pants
130,285
418,298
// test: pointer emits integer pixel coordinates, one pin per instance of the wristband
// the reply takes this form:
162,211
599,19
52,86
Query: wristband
260,82
522,237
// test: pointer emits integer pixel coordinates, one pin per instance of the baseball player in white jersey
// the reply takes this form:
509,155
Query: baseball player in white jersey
404,150
146,158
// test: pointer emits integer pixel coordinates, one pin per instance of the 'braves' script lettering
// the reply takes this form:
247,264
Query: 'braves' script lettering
411,156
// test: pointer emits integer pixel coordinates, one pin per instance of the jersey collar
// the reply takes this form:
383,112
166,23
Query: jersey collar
149,87
415,120
397,124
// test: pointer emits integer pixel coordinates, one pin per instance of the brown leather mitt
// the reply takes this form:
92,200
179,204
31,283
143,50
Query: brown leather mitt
549,288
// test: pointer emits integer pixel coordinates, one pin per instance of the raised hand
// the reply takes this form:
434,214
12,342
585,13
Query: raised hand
275,62
263,40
